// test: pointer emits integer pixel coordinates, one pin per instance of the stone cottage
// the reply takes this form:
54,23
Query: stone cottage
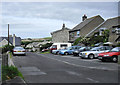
111,24
86,26
61,36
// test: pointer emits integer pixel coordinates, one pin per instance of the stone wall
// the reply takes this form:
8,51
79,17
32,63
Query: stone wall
61,36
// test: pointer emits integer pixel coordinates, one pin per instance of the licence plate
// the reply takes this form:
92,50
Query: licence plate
19,51
100,57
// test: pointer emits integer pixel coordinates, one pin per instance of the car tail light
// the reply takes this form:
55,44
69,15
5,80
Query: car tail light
14,51
23,51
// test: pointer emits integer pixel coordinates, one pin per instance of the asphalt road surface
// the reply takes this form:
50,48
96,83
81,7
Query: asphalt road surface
49,68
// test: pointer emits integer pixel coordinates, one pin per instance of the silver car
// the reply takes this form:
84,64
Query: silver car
19,51
93,53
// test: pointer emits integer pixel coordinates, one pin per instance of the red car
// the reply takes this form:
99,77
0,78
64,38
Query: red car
53,47
112,55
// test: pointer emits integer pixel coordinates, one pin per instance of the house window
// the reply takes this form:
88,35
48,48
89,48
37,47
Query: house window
78,33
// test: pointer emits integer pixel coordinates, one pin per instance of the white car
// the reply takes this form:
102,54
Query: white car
93,53
19,51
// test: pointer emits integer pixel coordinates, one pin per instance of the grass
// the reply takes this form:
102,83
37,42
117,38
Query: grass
10,54
9,72
45,52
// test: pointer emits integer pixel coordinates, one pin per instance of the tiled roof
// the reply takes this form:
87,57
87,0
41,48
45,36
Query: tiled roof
60,30
106,24
17,40
85,22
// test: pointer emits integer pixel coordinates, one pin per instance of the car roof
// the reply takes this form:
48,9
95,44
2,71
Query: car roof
18,47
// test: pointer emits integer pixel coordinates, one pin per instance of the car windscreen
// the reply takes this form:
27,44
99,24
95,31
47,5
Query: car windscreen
115,50
82,48
18,48
95,49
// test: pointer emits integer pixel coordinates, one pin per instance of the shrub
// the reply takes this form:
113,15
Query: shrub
10,72
7,48
77,41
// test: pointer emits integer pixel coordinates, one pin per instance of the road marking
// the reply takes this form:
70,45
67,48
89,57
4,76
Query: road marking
31,71
92,80
73,73
99,68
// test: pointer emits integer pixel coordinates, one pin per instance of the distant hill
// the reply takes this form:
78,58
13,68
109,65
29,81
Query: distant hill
37,39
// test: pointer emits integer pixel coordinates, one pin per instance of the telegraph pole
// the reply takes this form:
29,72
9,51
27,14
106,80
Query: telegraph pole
8,34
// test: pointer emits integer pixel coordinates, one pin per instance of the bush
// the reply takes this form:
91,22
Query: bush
10,72
46,46
7,48
77,41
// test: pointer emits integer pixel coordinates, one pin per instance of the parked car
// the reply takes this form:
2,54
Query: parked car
19,51
56,51
53,47
69,50
77,51
93,53
112,55
45,49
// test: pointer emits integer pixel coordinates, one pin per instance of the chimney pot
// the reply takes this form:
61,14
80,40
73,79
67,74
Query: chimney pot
84,17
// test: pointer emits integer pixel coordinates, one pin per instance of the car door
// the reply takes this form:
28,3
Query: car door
107,49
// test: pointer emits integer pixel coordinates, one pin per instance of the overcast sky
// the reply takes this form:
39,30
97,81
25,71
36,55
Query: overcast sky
39,19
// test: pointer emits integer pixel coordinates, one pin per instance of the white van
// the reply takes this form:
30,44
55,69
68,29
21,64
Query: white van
57,46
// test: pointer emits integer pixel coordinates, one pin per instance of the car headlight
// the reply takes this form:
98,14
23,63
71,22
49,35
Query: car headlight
85,53
106,55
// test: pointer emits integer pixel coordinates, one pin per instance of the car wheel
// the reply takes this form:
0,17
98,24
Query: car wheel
91,56
115,59
57,53
66,53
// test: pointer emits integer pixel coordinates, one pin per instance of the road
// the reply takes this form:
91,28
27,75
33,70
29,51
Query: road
49,68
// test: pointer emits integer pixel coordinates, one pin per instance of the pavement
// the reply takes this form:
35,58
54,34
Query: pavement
49,68
16,81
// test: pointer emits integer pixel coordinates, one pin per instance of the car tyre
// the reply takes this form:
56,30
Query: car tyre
115,59
91,56
66,53
57,53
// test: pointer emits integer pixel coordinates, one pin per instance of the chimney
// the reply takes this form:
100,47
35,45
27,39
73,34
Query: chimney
84,17
63,26
14,39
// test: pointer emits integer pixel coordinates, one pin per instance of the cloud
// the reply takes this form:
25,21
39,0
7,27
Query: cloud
60,0
41,18
61,11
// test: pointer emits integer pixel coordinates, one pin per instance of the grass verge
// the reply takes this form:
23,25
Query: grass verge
9,72
45,52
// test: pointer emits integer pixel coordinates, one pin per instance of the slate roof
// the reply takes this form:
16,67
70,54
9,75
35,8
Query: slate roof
60,30
17,40
106,24
84,23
